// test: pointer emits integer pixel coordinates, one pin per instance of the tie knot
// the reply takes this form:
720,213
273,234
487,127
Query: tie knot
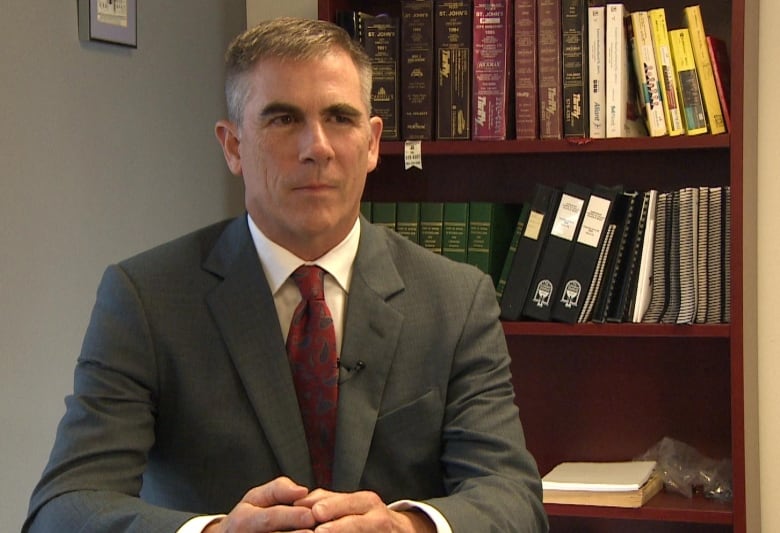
310,279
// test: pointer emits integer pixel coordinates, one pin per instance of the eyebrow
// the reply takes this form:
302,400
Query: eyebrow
276,108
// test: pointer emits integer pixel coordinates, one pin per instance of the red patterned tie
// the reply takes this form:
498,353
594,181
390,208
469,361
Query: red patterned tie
311,346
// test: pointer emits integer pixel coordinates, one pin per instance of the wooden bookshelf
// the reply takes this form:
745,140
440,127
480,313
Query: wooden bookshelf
611,391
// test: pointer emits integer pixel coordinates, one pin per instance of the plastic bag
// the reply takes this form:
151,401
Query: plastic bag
686,471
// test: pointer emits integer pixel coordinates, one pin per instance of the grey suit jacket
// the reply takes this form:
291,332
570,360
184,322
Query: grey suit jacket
183,398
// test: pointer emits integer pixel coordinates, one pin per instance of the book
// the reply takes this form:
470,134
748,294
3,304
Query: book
599,476
672,308
624,118
556,250
522,219
702,228
407,220
659,290
569,298
594,291
619,498
665,66
452,43
549,57
701,56
627,268
574,22
352,22
726,256
689,217
455,227
644,278
689,92
525,70
417,65
715,246
648,78
365,209
596,72
625,214
383,214
490,230
491,69
518,281
431,221
381,40
721,70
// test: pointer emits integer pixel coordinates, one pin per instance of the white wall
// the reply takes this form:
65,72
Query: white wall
257,10
769,264
104,151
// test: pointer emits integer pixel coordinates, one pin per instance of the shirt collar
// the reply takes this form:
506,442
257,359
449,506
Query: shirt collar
278,262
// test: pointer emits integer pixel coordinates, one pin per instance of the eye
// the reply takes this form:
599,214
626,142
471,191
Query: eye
282,120
344,119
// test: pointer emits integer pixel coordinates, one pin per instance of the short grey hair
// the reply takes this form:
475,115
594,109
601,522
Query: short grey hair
288,38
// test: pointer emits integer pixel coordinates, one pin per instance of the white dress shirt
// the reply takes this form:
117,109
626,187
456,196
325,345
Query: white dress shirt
278,264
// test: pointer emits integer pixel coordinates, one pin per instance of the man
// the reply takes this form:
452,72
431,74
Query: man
185,405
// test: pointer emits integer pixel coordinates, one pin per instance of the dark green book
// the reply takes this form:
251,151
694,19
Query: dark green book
365,209
383,214
455,231
491,226
431,222
407,220
522,219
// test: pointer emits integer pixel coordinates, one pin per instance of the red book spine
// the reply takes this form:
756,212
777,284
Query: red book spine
452,41
491,41
550,82
526,88
721,69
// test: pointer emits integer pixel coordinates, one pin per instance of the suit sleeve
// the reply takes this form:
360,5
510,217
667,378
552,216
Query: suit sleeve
491,478
93,479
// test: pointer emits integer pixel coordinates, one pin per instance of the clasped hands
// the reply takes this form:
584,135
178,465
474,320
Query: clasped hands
283,505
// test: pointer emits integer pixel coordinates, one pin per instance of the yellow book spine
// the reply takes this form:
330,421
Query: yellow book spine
665,65
701,56
688,90
647,74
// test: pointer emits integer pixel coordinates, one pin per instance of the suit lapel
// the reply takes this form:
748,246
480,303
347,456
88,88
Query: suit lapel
371,334
243,308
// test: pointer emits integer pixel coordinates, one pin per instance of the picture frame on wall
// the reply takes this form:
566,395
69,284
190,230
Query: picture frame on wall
109,21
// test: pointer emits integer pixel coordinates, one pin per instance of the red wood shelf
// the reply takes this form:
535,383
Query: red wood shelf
665,507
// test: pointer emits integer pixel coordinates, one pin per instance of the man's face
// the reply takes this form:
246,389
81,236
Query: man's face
304,148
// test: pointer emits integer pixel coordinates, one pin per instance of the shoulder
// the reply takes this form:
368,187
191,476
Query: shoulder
418,267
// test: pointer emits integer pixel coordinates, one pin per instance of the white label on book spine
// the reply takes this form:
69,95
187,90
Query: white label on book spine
593,222
566,218
534,225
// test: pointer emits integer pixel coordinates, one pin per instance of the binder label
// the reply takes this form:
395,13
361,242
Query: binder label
593,221
567,217
534,225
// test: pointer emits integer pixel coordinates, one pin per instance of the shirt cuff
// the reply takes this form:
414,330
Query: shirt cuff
442,526
198,524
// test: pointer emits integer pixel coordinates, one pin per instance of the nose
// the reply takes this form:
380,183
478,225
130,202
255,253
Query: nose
315,144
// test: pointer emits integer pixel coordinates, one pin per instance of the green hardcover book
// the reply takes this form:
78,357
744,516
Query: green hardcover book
455,230
491,226
365,209
525,210
407,220
431,221
383,214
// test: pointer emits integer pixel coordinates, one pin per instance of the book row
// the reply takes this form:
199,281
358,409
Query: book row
576,254
541,69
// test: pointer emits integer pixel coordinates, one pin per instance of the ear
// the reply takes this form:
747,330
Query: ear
375,125
227,135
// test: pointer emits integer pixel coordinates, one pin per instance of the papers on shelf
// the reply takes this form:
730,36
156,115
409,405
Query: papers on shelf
599,477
